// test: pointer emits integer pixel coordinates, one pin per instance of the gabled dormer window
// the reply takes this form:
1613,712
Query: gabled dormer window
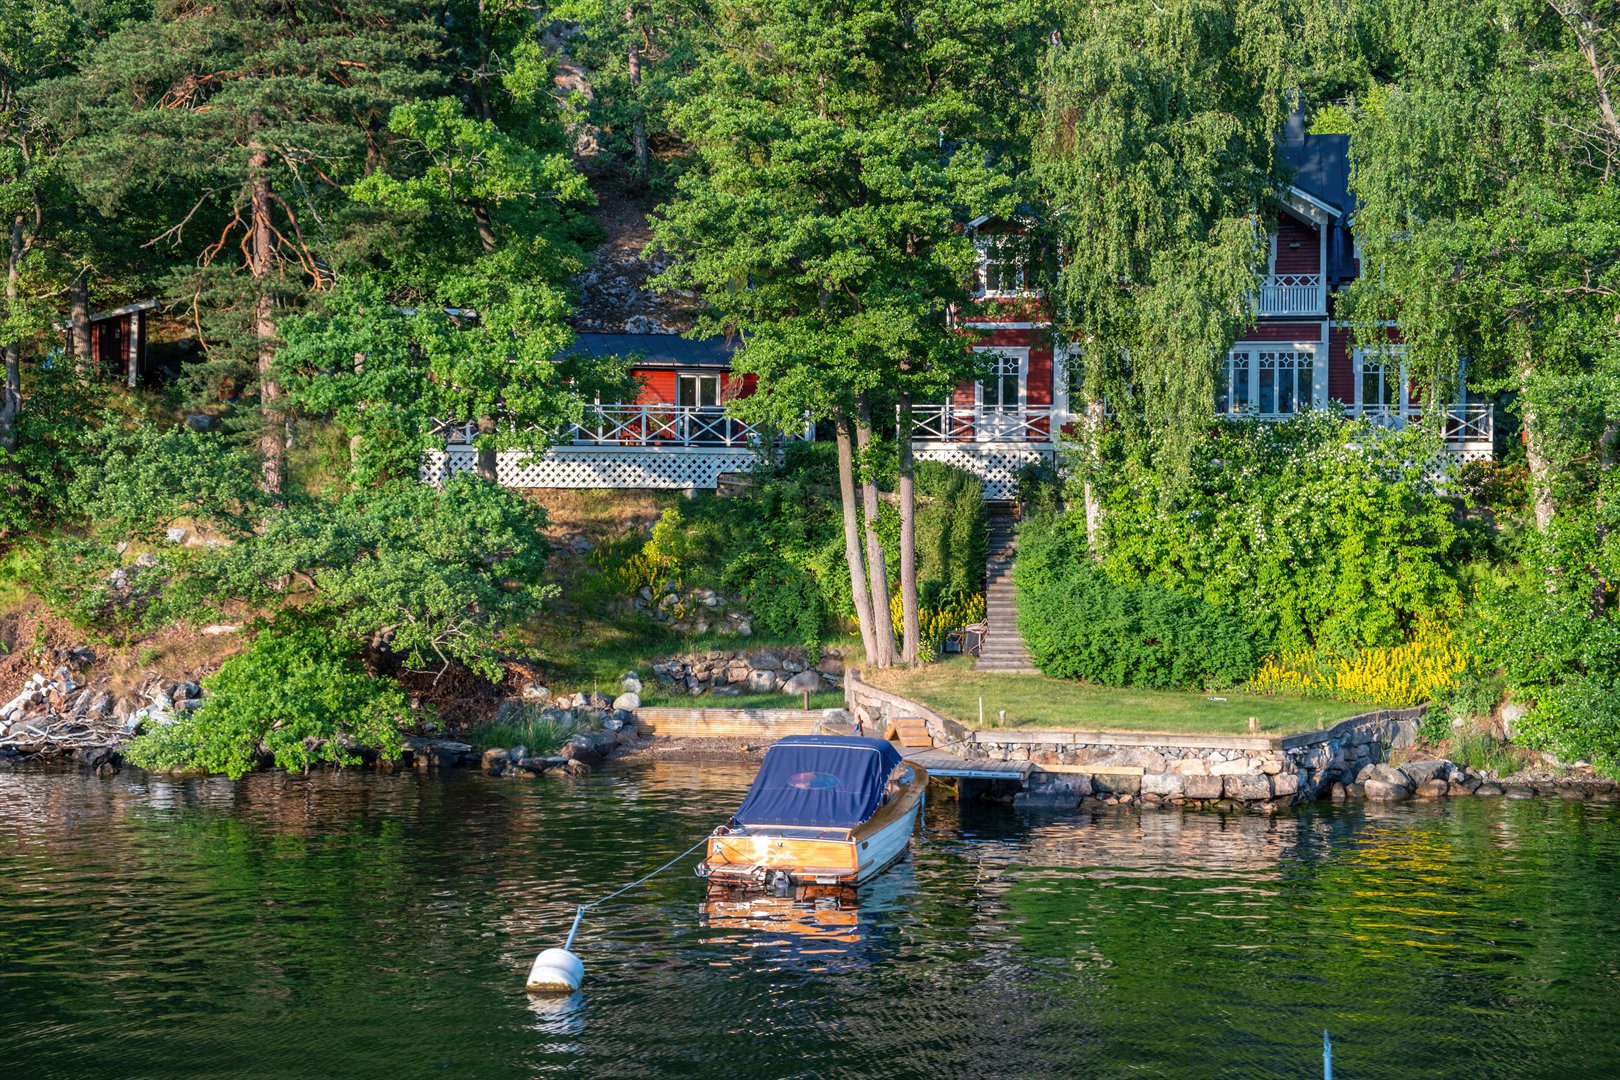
1003,265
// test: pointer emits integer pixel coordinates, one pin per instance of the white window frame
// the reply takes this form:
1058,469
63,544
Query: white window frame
983,243
1390,355
1310,395
700,377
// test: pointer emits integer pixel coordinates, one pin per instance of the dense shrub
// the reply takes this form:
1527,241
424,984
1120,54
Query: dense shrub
297,694
779,545
1551,638
1322,533
1079,624
953,531
429,575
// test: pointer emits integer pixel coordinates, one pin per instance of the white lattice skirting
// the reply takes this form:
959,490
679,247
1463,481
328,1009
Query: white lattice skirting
675,468
997,464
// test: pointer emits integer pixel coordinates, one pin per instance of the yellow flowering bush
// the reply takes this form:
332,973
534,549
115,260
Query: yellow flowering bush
937,621
1423,668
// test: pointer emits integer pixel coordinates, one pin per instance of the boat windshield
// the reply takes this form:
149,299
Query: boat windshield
819,781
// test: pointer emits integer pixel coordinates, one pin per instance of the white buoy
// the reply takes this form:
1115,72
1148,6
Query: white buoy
558,971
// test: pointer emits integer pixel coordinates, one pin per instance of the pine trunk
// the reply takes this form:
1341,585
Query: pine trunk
852,534
272,434
877,568
911,623
11,394
638,130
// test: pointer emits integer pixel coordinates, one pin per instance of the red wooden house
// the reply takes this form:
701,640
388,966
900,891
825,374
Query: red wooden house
1296,357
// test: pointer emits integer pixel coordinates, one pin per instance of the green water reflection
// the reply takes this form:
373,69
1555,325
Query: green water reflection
358,924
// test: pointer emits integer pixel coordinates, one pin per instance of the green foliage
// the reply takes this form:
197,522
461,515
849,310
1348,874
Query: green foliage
1321,533
779,544
49,434
1478,751
135,483
430,575
838,147
1558,652
296,695
1079,624
953,532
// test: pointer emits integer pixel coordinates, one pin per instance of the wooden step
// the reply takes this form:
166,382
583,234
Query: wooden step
909,732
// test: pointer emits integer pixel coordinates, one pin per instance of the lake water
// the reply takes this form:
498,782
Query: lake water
362,924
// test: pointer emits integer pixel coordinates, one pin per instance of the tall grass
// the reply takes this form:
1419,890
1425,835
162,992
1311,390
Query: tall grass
523,726
1480,752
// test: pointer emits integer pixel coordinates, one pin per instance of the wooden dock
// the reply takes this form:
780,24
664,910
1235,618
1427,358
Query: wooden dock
943,766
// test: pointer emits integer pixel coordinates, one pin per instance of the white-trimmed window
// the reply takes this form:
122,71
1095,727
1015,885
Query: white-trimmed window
697,390
1268,380
1381,379
1003,264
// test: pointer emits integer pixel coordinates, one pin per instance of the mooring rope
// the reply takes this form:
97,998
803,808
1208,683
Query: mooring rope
583,908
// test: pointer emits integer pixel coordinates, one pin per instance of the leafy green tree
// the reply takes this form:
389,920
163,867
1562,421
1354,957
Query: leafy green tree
1157,156
840,146
489,219
1490,232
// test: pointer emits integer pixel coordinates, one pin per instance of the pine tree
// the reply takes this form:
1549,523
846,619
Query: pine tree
840,147
249,119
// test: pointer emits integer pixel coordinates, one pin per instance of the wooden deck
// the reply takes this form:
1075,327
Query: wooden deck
945,766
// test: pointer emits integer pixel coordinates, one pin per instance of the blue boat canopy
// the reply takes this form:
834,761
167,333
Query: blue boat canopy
819,781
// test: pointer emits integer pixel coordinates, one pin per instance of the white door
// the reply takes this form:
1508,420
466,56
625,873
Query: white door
701,418
1381,391
1001,395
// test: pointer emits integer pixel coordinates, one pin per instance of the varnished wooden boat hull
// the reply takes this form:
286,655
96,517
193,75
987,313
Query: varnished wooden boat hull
754,858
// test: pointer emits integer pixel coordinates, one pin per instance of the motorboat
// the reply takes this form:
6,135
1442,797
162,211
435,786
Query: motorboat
824,810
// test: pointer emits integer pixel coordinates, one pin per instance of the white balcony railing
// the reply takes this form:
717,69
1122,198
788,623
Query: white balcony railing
951,423
1292,294
640,425
1467,426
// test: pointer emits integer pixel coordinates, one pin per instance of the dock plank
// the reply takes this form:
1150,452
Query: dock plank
950,767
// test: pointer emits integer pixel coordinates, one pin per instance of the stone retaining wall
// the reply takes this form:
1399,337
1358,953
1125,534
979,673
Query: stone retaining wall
1159,768
729,672
764,724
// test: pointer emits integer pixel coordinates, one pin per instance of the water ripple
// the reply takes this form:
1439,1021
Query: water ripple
364,924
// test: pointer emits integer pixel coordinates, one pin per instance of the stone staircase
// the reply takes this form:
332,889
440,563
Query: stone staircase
1003,648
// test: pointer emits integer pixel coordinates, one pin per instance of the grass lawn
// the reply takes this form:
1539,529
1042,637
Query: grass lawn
954,688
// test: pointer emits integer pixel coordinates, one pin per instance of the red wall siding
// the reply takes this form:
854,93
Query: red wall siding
1305,259
1341,372
657,386
1283,331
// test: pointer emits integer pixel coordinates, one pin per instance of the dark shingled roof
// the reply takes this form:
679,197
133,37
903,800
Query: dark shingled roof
658,350
1322,168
